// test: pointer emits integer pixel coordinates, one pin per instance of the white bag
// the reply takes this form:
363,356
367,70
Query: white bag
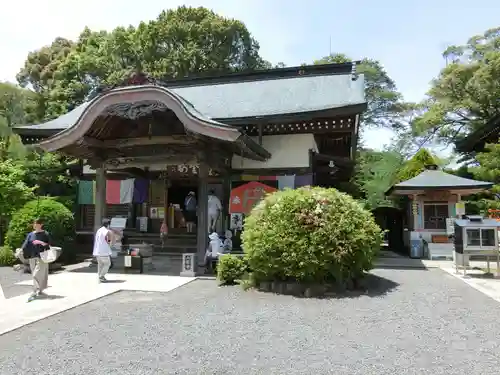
50,256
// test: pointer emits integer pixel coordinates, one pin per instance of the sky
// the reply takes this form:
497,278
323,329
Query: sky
408,37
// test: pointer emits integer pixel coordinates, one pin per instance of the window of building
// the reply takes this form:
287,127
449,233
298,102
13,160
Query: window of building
435,215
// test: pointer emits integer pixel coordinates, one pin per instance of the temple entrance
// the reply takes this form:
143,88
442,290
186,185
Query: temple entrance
177,193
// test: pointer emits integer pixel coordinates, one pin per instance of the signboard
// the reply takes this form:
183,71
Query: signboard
185,170
157,212
236,222
460,208
245,197
128,261
118,223
450,226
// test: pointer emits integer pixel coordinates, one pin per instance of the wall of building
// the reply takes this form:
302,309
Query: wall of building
288,151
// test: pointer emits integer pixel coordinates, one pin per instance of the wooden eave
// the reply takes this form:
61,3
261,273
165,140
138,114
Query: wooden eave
75,141
346,111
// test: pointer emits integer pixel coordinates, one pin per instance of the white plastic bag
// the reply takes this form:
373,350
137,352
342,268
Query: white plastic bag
50,256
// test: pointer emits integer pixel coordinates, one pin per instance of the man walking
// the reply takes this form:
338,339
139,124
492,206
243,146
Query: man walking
214,209
102,250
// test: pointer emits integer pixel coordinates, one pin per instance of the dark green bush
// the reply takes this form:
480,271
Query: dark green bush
58,221
230,268
7,257
310,235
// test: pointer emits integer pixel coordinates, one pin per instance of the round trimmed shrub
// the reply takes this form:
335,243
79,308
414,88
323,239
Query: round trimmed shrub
57,219
310,235
230,268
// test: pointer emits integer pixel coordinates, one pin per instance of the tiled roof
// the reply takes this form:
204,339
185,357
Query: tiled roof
274,97
277,96
435,179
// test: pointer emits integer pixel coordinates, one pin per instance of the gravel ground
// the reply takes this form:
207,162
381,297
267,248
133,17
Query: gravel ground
8,279
411,322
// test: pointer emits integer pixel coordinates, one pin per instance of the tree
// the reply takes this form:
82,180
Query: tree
384,101
376,172
417,164
466,93
16,107
14,193
181,42
39,73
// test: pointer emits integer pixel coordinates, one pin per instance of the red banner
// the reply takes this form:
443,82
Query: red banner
245,197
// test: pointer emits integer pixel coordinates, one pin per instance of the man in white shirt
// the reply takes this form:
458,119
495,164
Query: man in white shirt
102,249
214,209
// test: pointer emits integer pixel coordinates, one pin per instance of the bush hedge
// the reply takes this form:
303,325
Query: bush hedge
58,221
7,257
310,235
231,268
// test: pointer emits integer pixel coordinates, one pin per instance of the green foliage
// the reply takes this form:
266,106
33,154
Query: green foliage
417,164
14,193
487,170
179,42
310,235
16,107
48,171
381,92
58,221
231,268
376,172
465,94
7,257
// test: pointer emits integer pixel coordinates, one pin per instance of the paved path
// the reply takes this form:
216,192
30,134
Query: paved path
68,290
410,322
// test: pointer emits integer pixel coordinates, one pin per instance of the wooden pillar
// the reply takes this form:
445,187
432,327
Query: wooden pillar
226,194
100,197
415,213
202,227
165,200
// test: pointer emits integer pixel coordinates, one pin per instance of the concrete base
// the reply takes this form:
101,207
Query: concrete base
188,266
461,259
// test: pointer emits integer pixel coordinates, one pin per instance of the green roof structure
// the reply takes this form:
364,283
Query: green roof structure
437,180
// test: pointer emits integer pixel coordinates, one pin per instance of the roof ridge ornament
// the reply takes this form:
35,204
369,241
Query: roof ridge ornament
133,78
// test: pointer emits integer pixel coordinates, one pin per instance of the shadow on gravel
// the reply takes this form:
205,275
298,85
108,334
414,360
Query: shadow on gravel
371,286
118,268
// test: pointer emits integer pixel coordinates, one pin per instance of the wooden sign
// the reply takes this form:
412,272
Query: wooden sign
438,195
185,170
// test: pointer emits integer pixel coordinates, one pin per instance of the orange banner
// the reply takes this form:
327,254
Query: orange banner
245,197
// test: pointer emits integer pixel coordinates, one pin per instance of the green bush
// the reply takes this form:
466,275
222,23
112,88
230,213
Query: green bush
230,268
58,221
7,257
310,235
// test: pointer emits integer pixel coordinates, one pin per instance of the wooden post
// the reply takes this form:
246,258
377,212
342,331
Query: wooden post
165,200
415,213
226,195
202,227
100,197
